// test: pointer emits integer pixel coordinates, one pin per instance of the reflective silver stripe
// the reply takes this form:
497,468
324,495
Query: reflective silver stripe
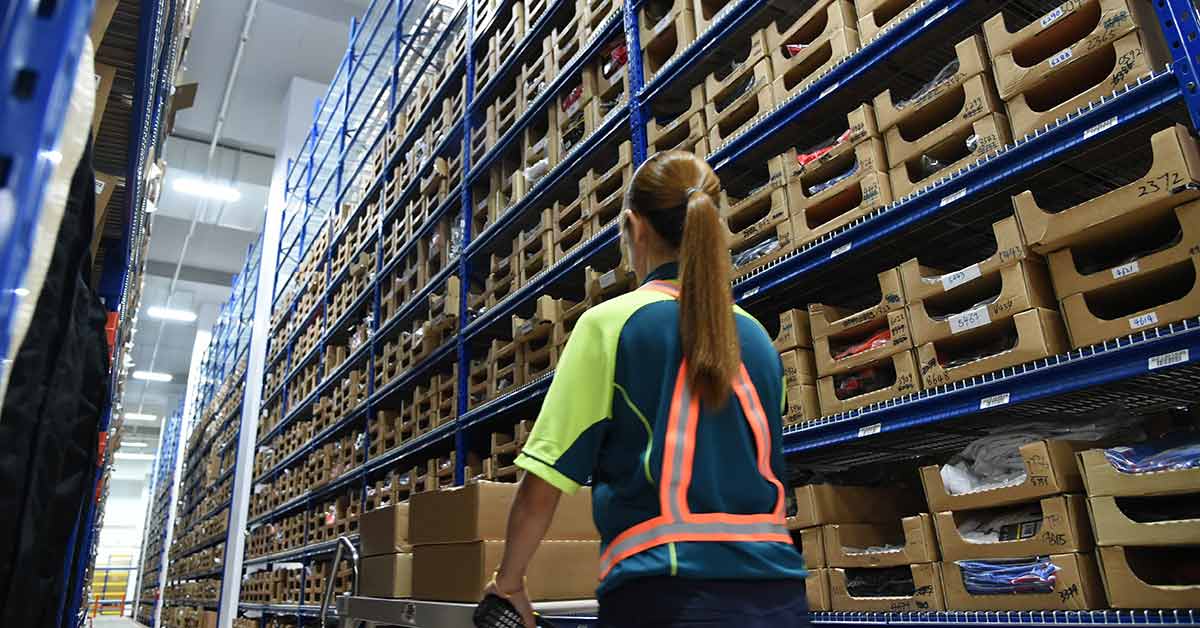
659,535
753,415
676,479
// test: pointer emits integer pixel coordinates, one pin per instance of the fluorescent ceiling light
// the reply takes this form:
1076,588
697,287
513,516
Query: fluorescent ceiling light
133,444
152,376
138,416
207,189
124,456
21,292
171,314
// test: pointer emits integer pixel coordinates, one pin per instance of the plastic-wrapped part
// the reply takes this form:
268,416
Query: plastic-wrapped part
741,88
534,173
1174,452
997,525
1001,343
945,74
881,338
535,87
825,185
791,50
457,231
860,382
930,165
1000,577
616,56
813,153
755,252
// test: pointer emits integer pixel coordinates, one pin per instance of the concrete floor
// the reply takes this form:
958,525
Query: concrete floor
114,622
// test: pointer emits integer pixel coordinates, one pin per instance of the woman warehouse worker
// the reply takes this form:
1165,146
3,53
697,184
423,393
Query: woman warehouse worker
668,399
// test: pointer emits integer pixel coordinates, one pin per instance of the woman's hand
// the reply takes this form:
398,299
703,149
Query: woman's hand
518,599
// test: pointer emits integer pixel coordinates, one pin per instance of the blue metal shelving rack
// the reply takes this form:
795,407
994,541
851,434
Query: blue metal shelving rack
158,522
367,96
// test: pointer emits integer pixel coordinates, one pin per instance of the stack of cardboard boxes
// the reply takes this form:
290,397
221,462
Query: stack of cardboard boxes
794,343
387,558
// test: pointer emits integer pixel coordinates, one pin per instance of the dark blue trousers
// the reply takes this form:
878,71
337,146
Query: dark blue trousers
679,603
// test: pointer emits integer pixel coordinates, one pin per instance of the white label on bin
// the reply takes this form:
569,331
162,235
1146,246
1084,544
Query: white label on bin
1168,359
1145,320
1100,128
935,16
751,292
1052,17
1061,57
969,320
841,249
829,90
959,278
993,401
1125,270
870,430
946,200
608,280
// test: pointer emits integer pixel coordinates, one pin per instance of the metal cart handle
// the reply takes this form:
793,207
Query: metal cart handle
343,542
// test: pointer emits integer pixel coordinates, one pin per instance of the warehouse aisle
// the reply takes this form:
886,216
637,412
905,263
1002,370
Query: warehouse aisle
115,622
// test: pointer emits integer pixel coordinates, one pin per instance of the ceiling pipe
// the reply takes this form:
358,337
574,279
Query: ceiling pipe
214,143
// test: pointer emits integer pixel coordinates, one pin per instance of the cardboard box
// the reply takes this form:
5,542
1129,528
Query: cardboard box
949,145
1119,309
928,596
1049,467
668,116
1114,527
914,533
1172,179
1090,78
758,213
1125,574
793,331
208,619
1006,292
838,206
907,380
886,15
802,404
812,546
1101,478
816,589
1060,39
819,504
781,233
457,572
384,531
1063,528
387,575
1134,231
828,319
953,108
1039,333
100,21
1077,587
804,68
479,512
921,282
932,102
731,111
817,24
104,76
826,348
798,368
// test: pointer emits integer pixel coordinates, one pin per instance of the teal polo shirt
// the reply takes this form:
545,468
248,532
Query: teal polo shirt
604,422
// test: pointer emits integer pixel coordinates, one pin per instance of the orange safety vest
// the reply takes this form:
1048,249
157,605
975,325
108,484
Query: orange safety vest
677,523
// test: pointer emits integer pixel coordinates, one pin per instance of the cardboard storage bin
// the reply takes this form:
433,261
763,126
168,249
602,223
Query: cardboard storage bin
845,543
665,29
1077,587
828,210
1145,577
798,369
954,147
780,234
816,589
829,319
941,118
734,102
479,511
878,16
819,23
1114,526
927,593
1063,527
1086,79
1105,249
819,504
738,56
1134,303
1101,478
384,531
457,572
1030,335
794,331
811,544
853,348
760,210
806,66
999,295
898,373
1056,40
667,117
1172,179
802,404
955,96
1049,467
922,282
387,575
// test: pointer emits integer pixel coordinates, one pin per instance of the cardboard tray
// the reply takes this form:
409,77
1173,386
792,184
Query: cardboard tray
819,504
878,16
765,207
798,369
939,117
1077,587
1087,328
867,154
816,589
457,572
896,321
916,532
921,282
821,21
1064,528
1009,291
1090,78
679,115
794,331
813,62
1126,589
1114,527
1040,333
1101,479
828,319
972,61
1051,44
782,232
908,381
811,545
991,134
802,404
1068,280
927,578
1049,466
849,200
1173,179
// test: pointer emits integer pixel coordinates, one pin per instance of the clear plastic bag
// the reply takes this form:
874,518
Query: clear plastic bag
813,153
999,577
757,251
1171,453
931,165
534,173
945,74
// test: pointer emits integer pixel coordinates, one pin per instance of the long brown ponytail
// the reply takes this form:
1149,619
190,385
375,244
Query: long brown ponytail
676,191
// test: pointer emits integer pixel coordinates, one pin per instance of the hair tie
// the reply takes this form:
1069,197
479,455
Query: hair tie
694,190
